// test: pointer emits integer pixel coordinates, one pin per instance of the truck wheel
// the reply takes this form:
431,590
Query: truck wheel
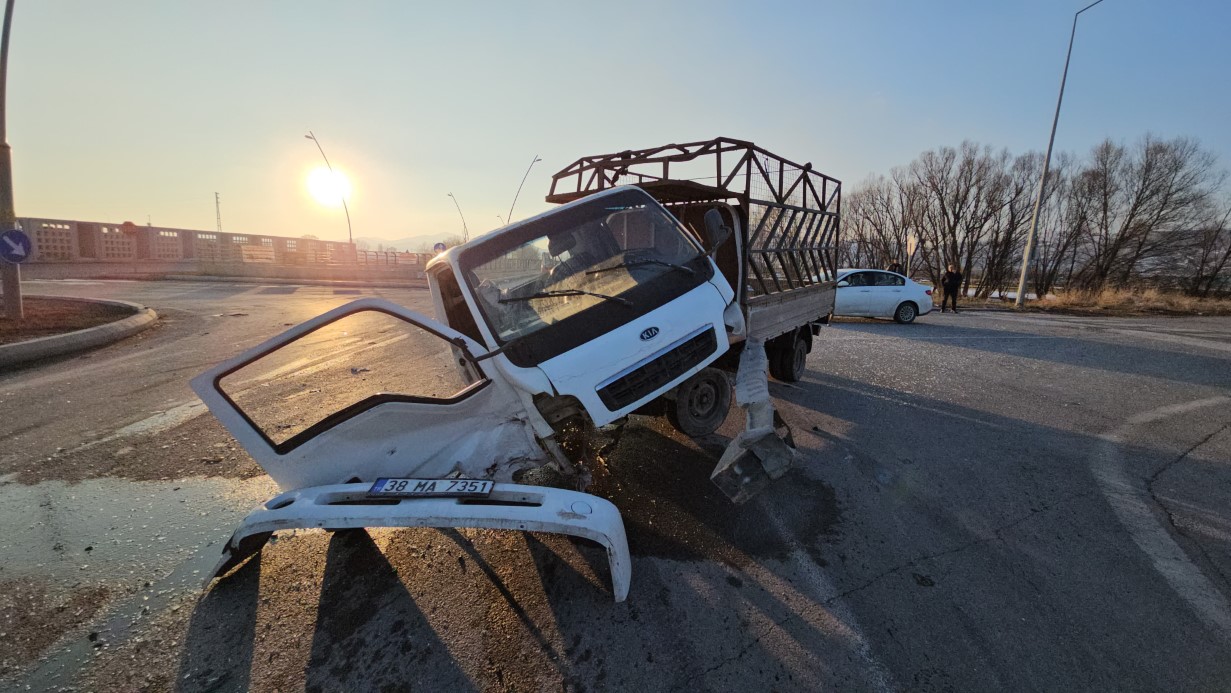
701,403
789,357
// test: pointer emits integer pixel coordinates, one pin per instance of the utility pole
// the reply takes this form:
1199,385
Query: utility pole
11,272
1038,200
218,210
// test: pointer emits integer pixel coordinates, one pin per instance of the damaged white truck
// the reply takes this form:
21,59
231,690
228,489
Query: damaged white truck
665,269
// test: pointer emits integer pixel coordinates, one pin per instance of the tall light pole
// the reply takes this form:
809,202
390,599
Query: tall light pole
350,238
523,182
465,229
1038,200
10,273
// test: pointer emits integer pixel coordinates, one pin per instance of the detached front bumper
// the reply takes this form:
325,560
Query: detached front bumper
510,506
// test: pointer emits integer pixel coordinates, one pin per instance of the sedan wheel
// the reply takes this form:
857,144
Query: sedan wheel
905,313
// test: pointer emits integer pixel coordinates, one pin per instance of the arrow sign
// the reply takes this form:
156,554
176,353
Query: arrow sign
14,246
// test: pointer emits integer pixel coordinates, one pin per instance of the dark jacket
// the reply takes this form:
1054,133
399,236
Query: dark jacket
951,281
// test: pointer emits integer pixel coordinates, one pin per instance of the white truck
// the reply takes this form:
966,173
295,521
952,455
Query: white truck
371,415
781,260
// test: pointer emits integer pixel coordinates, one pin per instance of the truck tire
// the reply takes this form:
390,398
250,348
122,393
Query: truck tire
701,403
788,357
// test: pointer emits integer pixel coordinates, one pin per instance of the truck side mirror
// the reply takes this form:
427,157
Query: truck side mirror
716,231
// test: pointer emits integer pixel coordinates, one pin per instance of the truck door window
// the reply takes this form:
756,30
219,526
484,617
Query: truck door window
352,364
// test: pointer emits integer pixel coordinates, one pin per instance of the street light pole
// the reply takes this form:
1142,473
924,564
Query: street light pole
523,182
1038,200
350,238
465,229
10,273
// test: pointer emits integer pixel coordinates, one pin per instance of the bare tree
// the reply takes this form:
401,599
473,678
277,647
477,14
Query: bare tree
1014,198
1063,216
856,249
879,217
1123,214
962,190
1210,253
1140,203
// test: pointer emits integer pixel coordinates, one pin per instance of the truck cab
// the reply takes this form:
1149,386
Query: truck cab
594,308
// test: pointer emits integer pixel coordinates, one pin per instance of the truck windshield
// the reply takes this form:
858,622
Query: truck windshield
563,265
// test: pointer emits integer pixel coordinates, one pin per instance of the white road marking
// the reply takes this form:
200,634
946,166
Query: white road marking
1132,505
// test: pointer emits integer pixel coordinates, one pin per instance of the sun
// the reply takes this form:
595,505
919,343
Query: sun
327,187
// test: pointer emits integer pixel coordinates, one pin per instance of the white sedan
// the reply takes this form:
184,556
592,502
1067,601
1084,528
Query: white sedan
868,293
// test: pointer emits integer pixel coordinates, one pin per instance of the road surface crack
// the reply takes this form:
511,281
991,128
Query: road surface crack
997,535
1159,472
1176,526
752,643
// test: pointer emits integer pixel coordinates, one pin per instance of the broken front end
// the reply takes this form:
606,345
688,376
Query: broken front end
372,415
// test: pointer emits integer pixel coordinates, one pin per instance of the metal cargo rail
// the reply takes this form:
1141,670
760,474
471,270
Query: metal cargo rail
792,211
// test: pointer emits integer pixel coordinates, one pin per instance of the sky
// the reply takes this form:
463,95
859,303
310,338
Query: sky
142,110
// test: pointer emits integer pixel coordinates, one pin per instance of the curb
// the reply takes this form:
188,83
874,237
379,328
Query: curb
89,338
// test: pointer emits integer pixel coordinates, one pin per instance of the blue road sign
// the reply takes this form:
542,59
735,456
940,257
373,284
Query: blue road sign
438,248
14,246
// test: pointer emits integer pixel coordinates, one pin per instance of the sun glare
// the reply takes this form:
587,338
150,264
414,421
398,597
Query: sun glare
328,187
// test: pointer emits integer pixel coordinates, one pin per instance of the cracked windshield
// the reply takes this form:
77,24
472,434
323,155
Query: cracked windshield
567,271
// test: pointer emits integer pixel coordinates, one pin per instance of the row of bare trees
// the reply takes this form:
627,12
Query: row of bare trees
1155,212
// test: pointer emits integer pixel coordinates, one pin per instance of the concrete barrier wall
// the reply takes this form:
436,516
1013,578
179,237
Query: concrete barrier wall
155,269
90,270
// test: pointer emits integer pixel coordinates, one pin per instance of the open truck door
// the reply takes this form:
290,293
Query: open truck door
372,415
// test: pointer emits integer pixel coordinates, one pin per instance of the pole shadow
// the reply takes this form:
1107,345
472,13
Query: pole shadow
217,652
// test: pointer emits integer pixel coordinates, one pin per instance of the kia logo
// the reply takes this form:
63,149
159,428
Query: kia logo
649,333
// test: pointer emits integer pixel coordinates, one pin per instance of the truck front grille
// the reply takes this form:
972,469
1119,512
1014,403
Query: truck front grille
662,369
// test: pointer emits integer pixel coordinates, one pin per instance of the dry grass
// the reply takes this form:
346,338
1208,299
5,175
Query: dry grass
1130,302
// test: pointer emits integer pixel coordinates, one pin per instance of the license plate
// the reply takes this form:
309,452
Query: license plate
438,488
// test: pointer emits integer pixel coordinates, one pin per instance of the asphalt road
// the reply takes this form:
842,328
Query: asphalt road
983,501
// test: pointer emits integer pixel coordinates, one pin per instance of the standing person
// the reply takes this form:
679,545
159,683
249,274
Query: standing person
895,266
951,282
